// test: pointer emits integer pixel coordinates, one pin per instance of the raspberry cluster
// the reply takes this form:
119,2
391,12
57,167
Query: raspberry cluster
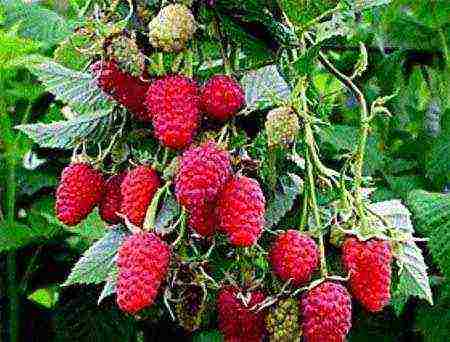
122,87
237,320
79,191
369,264
143,261
294,256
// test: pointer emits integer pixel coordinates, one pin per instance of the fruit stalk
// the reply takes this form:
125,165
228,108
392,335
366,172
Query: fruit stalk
312,191
363,134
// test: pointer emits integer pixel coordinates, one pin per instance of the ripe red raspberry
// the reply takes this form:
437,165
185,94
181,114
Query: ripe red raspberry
111,201
202,174
222,97
79,191
294,256
369,264
143,262
240,211
173,102
237,321
327,313
138,188
202,219
129,91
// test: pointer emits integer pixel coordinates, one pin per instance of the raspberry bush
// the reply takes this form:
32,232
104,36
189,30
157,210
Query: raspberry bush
226,170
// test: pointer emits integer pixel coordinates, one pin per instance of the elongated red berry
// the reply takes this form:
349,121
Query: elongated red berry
294,256
143,262
138,188
326,313
237,321
173,102
369,264
111,201
128,90
79,191
240,211
222,97
203,172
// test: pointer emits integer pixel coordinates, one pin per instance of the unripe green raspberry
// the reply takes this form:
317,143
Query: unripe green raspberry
282,321
124,50
172,28
282,126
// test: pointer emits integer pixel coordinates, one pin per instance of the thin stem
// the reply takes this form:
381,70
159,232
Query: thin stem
312,193
363,134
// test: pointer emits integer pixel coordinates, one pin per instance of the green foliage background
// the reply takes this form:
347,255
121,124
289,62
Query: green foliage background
408,155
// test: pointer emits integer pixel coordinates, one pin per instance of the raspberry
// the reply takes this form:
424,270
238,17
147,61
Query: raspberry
112,199
327,313
173,102
172,28
240,211
202,174
237,321
124,51
129,91
143,262
138,188
283,321
222,97
282,127
79,191
294,256
202,219
369,264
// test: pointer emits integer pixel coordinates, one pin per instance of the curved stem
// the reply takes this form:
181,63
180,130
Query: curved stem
363,134
312,193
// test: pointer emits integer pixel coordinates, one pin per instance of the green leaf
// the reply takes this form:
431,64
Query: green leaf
338,138
47,297
264,88
78,317
98,261
340,24
208,336
67,134
77,89
283,200
36,22
19,235
437,161
413,275
12,46
433,323
432,215
110,284
169,211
